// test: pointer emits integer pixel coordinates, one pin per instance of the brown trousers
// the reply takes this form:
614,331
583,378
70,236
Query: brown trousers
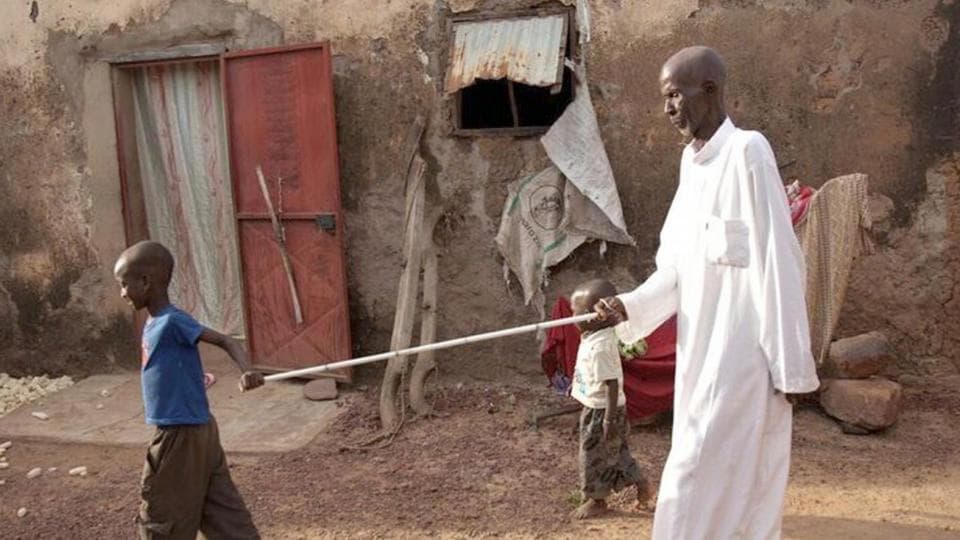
186,488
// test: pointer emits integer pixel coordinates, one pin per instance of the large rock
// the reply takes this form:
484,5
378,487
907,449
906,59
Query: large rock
862,404
858,357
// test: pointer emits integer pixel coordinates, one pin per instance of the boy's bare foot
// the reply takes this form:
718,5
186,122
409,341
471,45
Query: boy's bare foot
645,498
590,509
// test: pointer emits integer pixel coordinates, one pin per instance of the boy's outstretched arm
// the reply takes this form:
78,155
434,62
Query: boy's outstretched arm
250,379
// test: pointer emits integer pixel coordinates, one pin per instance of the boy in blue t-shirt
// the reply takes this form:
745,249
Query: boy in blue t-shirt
186,485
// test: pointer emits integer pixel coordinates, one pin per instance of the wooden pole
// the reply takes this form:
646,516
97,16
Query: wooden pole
456,342
413,171
426,363
281,243
513,104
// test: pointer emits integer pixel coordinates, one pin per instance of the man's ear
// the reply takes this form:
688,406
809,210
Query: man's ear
709,87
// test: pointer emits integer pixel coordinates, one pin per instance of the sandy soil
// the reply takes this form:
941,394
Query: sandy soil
481,471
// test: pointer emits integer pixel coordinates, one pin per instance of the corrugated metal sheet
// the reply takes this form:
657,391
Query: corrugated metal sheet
527,50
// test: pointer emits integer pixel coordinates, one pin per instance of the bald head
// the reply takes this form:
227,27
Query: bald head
695,66
592,291
585,296
692,83
149,258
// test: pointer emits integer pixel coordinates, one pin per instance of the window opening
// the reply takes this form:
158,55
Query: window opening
508,75
507,104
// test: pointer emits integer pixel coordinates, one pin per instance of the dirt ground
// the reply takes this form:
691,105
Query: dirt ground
480,470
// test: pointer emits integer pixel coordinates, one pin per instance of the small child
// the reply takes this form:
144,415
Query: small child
185,486
605,461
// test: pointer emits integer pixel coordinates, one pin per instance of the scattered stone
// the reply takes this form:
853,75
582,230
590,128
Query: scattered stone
6,445
78,471
99,406
2,482
40,415
34,472
104,393
17,391
52,469
320,390
858,357
868,404
4,464
21,512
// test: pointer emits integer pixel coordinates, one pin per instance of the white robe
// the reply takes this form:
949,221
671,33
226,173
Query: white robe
730,266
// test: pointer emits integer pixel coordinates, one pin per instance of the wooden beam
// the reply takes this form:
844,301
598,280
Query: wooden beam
282,244
177,52
513,104
407,294
426,362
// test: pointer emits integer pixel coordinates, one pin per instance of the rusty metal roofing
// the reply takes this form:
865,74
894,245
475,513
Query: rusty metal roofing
525,50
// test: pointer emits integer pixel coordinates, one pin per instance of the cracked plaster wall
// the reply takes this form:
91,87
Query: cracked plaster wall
838,87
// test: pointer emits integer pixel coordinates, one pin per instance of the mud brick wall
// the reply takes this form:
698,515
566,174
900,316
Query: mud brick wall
837,86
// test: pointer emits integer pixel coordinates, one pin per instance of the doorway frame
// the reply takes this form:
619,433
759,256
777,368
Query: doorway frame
133,205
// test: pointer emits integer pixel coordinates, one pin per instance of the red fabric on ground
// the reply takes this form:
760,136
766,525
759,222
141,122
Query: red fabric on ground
647,381
559,352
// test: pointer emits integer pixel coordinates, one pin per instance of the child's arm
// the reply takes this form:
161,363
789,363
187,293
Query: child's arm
249,379
613,392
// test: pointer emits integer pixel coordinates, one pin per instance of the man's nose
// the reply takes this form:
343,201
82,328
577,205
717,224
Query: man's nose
668,108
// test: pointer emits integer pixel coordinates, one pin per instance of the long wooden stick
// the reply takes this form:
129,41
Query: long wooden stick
282,244
432,347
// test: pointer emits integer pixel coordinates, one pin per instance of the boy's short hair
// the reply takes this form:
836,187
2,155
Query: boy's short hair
153,258
595,290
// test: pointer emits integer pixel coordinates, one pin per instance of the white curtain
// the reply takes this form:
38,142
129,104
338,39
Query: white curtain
182,148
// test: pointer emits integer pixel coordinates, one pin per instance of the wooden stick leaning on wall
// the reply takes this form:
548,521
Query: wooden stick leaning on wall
426,363
391,391
282,244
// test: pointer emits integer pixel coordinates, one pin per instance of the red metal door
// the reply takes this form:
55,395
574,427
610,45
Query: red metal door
280,116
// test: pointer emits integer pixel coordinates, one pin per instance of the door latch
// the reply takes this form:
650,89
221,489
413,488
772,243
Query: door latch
327,223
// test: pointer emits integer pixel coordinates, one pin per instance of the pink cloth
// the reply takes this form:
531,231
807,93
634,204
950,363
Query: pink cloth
799,197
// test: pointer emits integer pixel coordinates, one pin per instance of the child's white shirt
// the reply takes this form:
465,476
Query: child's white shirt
598,360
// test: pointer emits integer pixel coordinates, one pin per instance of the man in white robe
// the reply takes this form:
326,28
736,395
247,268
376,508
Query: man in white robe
730,266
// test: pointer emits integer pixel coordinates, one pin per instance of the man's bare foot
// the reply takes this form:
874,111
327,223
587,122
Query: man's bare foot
646,502
590,509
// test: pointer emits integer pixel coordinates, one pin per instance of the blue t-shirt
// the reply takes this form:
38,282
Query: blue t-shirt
172,376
